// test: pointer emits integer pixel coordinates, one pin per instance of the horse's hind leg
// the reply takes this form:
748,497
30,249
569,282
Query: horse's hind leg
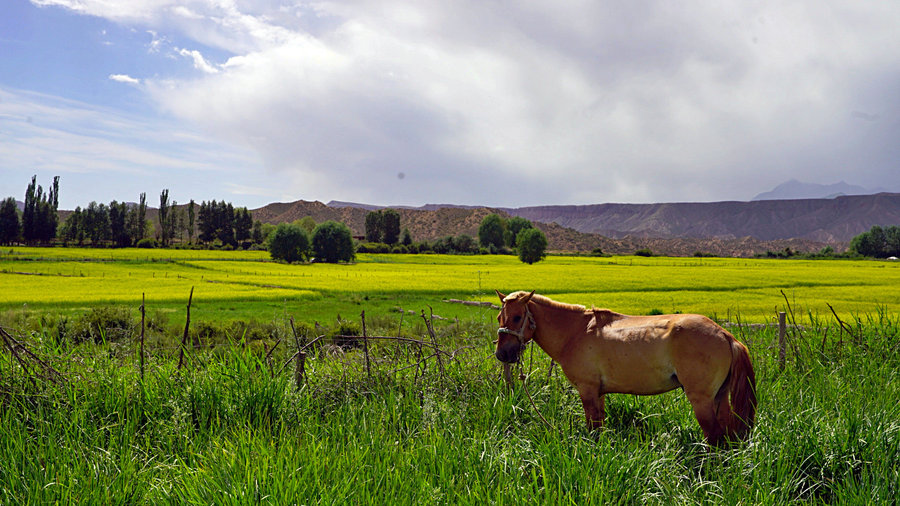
705,411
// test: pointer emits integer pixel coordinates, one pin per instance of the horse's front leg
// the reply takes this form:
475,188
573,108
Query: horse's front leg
593,402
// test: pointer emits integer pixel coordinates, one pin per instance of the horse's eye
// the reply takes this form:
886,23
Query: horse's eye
517,319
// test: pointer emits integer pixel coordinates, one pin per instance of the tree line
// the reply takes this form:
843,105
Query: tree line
219,224
39,215
878,242
121,224
496,235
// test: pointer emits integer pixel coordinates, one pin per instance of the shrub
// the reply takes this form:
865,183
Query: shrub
373,247
532,245
289,243
348,332
99,325
147,242
491,230
643,252
332,242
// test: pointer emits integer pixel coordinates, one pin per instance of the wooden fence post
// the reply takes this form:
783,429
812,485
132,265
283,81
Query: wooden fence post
187,325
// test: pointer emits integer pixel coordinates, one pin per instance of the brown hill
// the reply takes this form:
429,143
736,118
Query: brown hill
423,225
428,225
832,221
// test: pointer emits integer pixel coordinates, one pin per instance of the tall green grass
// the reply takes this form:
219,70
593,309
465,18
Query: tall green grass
225,430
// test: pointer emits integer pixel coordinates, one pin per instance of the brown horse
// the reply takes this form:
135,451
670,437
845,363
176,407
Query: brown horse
604,352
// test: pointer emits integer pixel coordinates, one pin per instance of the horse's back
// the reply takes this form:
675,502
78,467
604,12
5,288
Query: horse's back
653,354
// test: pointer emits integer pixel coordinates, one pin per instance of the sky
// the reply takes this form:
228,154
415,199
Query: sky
475,102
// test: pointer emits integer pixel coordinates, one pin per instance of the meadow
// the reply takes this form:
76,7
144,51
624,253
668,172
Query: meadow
231,427
242,285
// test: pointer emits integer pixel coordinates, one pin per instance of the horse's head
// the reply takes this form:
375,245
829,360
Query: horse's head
516,326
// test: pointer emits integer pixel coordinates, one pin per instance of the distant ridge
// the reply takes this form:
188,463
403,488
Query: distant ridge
793,190
426,207
833,221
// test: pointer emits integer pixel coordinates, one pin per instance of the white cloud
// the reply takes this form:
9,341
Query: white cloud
124,78
200,62
525,103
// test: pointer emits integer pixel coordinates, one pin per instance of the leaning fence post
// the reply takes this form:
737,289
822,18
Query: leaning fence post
782,335
429,324
187,325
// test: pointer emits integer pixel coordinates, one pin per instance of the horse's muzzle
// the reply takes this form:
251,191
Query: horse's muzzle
508,352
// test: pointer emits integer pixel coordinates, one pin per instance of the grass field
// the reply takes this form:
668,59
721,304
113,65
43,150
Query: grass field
242,285
231,428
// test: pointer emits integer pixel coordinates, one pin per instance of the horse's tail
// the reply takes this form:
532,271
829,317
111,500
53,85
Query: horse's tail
737,396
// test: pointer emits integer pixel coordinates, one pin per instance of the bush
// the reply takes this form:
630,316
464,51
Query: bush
99,325
643,252
147,242
332,242
532,245
373,247
349,331
491,230
289,243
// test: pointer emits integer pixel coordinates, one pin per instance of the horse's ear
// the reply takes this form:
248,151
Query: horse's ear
526,298
500,295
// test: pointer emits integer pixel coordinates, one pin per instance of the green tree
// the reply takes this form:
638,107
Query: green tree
406,237
464,243
374,220
870,243
532,245
289,242
10,228
137,220
164,217
308,224
206,225
892,241
95,223
39,217
71,229
243,224
225,222
118,226
192,217
390,226
332,242
29,211
513,226
490,232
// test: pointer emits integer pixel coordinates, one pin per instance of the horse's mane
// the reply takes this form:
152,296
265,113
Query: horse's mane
545,301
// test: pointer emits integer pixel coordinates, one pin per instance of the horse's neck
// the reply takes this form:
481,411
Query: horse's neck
554,327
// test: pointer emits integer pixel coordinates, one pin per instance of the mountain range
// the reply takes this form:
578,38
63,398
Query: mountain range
720,228
793,189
